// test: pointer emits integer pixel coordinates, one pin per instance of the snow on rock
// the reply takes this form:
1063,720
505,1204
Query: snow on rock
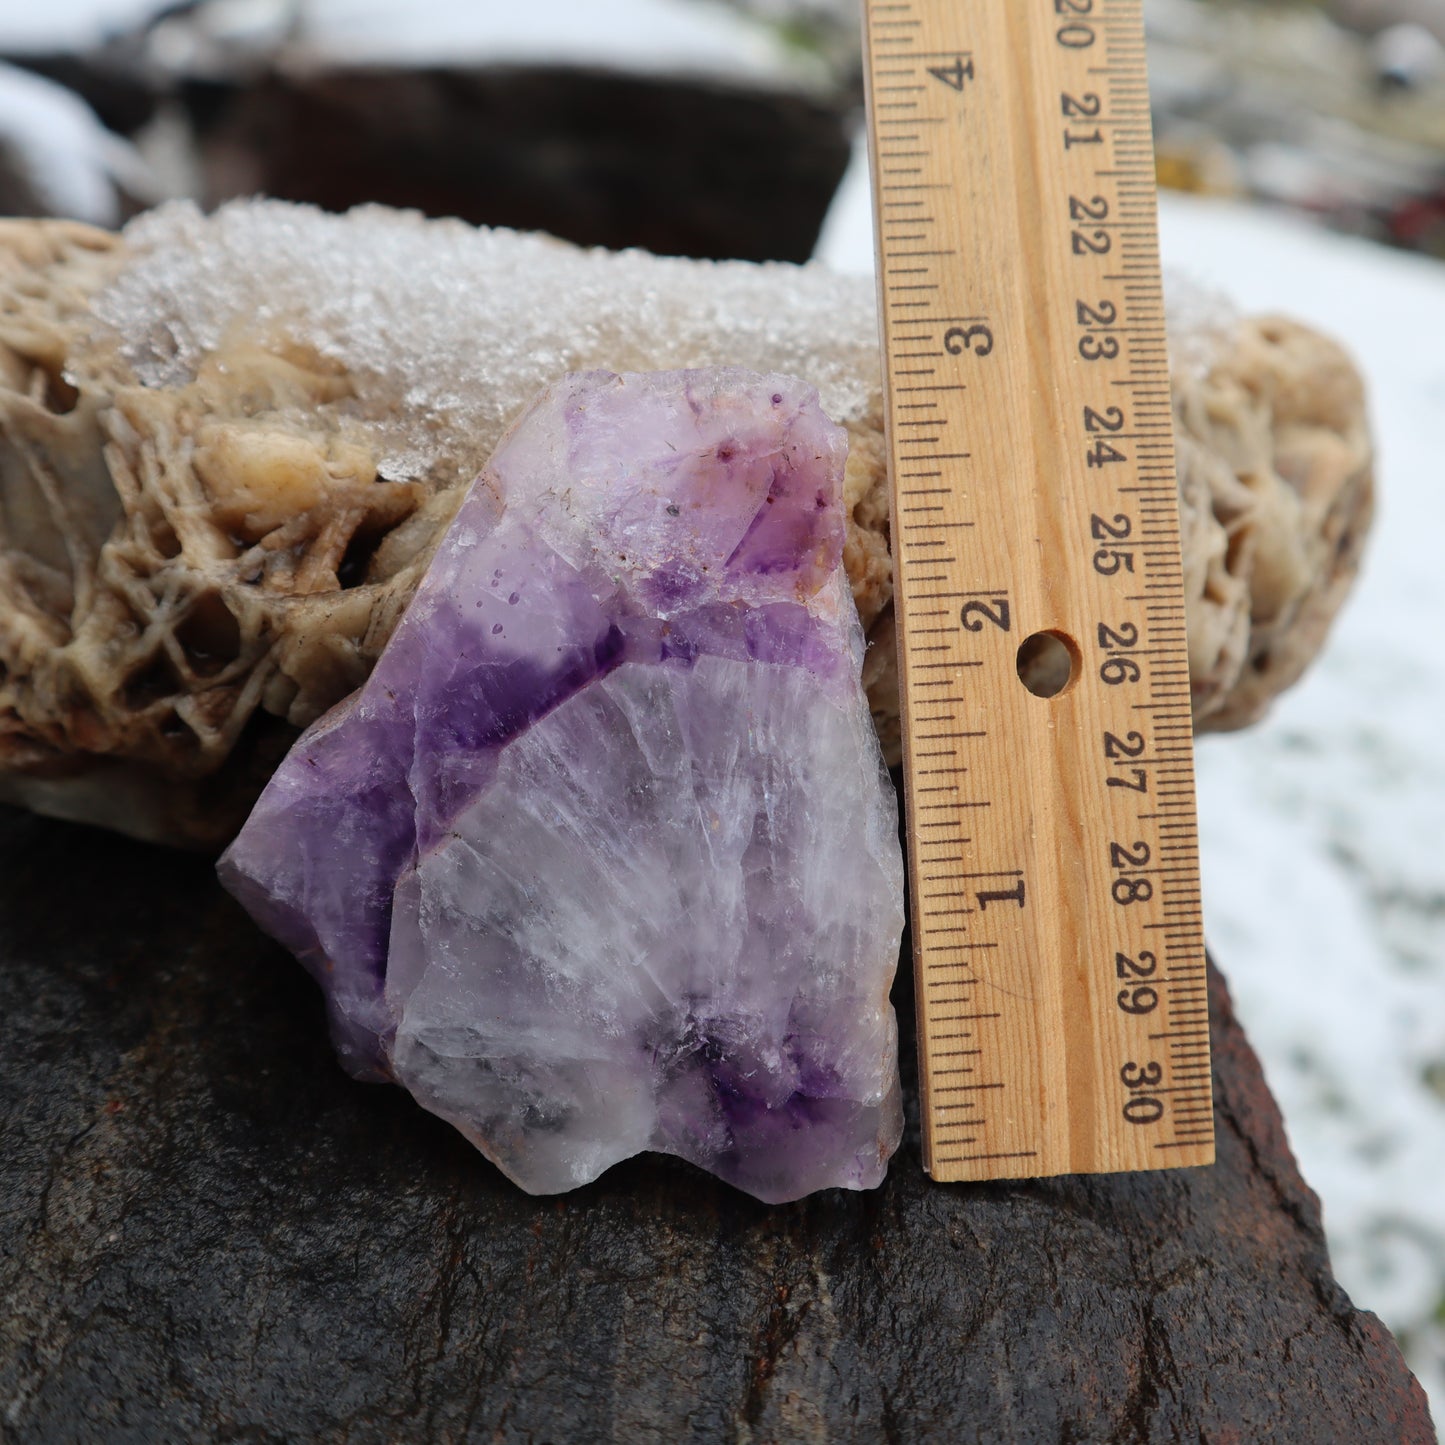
646,37
65,162
708,39
70,25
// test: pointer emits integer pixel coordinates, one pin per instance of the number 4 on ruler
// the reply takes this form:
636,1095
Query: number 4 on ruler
954,75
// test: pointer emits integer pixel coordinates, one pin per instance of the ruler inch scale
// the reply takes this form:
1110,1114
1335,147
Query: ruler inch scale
1053,846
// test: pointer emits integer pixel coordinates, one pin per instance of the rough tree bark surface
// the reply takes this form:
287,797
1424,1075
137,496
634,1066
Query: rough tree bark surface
208,1233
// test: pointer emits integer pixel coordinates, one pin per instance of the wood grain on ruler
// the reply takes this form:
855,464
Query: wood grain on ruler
1053,860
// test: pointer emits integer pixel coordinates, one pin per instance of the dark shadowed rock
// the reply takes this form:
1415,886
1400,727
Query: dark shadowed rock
677,166
208,1233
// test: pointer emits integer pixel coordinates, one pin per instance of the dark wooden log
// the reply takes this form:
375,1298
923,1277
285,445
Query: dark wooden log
208,1233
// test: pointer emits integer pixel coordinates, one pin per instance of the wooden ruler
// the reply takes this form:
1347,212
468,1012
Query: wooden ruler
1062,1005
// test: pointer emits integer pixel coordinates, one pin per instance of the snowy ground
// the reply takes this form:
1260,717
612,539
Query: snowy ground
1323,829
1324,861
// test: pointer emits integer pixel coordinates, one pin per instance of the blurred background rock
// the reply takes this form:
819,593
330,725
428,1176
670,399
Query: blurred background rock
687,126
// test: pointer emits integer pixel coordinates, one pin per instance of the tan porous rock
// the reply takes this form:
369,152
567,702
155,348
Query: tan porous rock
229,444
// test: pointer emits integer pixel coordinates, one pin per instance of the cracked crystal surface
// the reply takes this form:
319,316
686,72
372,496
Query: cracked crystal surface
603,857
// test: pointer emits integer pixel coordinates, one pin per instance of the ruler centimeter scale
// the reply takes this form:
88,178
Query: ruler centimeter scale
1053,847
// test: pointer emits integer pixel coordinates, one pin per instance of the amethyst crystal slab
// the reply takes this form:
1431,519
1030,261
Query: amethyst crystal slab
603,856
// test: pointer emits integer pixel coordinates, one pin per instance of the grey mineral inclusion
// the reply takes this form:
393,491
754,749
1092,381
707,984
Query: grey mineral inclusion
603,856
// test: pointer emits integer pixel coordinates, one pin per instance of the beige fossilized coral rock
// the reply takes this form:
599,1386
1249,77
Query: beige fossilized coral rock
1276,486
229,444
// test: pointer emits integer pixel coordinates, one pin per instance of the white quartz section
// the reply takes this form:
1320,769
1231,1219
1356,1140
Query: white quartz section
678,859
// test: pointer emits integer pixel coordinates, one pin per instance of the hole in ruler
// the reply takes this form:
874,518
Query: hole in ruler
1048,662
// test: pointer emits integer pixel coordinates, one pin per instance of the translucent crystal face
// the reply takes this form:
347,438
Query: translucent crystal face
603,857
